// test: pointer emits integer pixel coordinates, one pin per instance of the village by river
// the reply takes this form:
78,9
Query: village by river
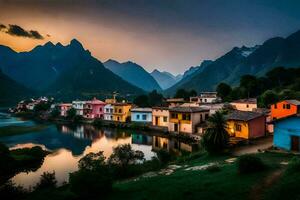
68,144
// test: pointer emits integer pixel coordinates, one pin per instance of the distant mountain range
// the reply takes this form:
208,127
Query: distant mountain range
256,60
63,71
165,79
134,74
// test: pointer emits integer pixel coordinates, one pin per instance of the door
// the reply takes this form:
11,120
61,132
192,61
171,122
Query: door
156,121
176,127
295,143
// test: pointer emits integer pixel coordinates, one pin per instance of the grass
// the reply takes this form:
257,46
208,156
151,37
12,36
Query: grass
19,130
225,183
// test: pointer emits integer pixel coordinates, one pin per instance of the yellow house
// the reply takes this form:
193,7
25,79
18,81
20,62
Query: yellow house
246,124
121,111
186,119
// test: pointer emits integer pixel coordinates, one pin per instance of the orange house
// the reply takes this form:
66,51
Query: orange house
284,109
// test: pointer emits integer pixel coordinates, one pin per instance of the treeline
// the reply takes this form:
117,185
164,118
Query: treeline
278,84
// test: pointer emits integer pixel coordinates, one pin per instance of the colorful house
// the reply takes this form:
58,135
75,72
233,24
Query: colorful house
287,133
64,107
284,109
79,107
205,98
175,102
160,116
245,104
121,112
94,109
108,112
186,119
246,124
143,115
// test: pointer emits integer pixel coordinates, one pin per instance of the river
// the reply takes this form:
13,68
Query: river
70,143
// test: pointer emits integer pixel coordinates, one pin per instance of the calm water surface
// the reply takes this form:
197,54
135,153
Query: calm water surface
70,143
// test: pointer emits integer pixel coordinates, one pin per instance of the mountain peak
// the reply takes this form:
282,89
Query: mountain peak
49,44
112,61
76,44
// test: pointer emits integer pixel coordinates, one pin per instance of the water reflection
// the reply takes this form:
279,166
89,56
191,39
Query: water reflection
70,143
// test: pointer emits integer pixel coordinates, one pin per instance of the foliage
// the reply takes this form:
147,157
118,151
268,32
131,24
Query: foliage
124,155
91,161
182,93
149,100
142,101
10,191
224,91
249,164
42,106
294,166
98,123
91,183
164,157
215,138
71,113
213,168
55,113
268,98
47,181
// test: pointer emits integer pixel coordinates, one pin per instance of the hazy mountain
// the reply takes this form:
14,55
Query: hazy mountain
62,70
11,92
164,79
134,74
240,61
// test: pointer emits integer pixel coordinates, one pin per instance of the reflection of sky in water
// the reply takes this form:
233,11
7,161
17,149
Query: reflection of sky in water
69,144
7,120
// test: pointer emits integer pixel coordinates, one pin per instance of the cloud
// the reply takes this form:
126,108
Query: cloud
18,31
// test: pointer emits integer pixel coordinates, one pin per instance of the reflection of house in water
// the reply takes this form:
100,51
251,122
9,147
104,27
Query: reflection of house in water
172,145
141,139
83,131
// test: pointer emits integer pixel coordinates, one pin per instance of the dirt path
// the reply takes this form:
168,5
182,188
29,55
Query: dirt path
262,143
259,189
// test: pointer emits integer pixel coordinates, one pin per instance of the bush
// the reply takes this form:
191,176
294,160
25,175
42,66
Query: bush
164,157
47,181
294,166
249,164
10,191
91,183
98,123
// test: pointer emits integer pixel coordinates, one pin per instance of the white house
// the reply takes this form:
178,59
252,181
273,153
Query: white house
141,115
160,116
78,106
205,97
245,104
108,112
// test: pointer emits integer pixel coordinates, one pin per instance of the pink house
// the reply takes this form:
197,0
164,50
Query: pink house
64,107
94,109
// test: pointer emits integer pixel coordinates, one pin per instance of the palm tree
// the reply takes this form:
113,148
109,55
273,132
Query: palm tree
216,137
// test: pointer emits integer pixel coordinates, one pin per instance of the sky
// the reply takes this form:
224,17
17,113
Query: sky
169,35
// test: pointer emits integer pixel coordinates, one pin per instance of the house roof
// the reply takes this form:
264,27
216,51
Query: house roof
141,110
248,101
294,102
122,104
160,108
191,109
243,115
174,100
285,118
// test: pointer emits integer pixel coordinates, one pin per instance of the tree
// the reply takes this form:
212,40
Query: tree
224,91
182,93
124,155
142,101
71,113
155,99
55,113
47,181
216,137
250,84
268,98
91,161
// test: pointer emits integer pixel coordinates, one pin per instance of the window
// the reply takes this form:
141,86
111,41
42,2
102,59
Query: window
205,100
247,105
107,110
120,110
275,106
206,116
144,117
283,106
186,117
165,119
174,115
288,106
238,127
137,116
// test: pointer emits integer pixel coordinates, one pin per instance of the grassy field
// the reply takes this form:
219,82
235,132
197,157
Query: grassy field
225,184
18,130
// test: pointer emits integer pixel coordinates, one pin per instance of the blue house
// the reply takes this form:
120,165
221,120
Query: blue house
143,115
287,133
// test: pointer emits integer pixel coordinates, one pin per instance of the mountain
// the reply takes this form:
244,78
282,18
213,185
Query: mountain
11,92
134,74
256,61
66,71
164,79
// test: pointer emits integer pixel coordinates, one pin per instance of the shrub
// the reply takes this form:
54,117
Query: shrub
98,123
91,183
47,181
164,157
294,166
10,191
249,164
92,161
